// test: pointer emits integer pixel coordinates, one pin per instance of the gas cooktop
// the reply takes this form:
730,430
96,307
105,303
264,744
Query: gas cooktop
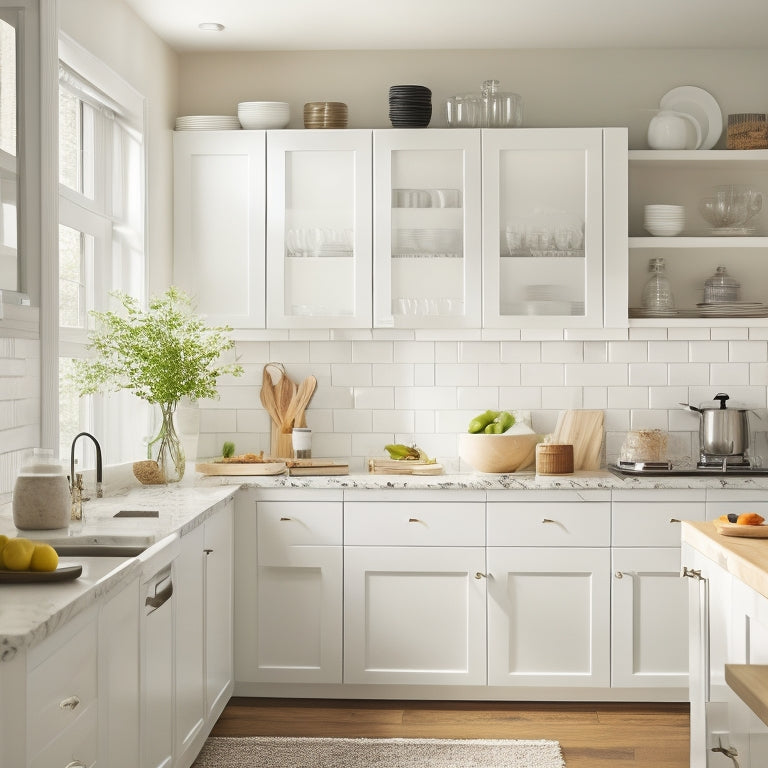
666,469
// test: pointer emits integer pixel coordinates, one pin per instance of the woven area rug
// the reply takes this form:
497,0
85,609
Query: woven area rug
285,752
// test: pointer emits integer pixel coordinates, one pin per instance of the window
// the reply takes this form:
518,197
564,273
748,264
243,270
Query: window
101,241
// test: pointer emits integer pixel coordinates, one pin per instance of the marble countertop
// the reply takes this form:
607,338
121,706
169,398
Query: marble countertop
744,558
31,612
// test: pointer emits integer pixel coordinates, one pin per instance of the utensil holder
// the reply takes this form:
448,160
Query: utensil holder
554,459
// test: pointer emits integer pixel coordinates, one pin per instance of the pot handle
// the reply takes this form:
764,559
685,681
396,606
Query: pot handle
691,408
722,397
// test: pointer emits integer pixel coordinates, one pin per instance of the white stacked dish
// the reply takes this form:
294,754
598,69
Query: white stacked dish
664,220
263,115
207,123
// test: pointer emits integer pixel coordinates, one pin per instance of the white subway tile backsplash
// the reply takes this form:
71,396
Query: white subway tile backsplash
647,374
592,375
666,397
456,375
247,420
748,351
320,419
414,352
353,419
372,443
595,398
372,351
595,351
479,352
327,396
351,375
758,374
562,398
500,334
616,420
562,352
724,374
520,352
542,374
351,334
373,397
647,334
628,351
393,374
424,421
219,420
596,334
478,398
499,375
688,374
424,375
397,421
446,352
338,446
455,421
729,333
330,352
708,352
519,398
288,351
667,351
542,334
649,419
430,398
688,334
758,334
309,334
628,397
436,334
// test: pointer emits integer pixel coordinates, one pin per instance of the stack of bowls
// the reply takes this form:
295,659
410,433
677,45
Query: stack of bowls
664,220
410,106
325,114
263,115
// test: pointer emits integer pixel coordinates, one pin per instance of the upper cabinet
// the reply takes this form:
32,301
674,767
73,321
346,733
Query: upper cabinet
553,229
427,218
319,229
219,186
691,257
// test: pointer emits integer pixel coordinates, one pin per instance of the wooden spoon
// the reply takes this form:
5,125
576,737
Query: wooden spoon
268,398
294,415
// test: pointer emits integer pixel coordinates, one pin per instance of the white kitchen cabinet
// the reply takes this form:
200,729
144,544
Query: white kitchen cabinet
649,624
554,232
684,178
319,226
427,214
119,678
219,224
288,591
414,592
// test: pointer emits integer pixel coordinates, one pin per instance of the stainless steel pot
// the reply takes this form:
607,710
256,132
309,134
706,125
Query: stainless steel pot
722,431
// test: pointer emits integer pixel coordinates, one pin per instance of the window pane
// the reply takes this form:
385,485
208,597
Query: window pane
70,155
75,250
7,88
73,410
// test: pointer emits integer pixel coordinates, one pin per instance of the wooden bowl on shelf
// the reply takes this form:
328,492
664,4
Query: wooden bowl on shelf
498,454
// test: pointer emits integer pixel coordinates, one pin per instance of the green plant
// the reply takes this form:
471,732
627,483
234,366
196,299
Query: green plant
161,354
228,449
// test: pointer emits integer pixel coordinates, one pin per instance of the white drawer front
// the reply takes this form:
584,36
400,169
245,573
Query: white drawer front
422,524
306,523
651,525
62,687
77,744
549,524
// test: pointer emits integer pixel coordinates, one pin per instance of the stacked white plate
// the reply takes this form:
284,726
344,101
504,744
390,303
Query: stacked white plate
664,220
733,309
207,123
263,115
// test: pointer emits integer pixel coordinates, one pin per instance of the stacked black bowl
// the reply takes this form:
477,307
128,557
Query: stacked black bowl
410,106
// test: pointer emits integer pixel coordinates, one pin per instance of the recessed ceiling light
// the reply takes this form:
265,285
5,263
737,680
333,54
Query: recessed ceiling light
211,26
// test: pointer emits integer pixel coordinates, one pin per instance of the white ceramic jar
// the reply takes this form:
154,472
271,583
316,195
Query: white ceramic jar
41,495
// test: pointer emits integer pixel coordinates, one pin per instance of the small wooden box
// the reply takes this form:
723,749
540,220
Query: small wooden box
554,459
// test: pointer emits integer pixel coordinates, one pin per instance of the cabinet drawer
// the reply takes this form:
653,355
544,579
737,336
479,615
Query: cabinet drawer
549,524
77,744
414,524
62,687
637,524
289,524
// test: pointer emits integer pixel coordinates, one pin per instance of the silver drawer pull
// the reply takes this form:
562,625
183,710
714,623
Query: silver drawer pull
75,764
479,575
69,703
619,575
414,520
547,520
673,520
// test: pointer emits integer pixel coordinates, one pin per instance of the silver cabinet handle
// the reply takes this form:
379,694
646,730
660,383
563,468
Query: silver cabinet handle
75,764
673,520
547,520
479,575
619,575
690,573
285,519
69,703
414,520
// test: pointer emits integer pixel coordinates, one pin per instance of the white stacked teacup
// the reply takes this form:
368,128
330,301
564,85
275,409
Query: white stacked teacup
664,220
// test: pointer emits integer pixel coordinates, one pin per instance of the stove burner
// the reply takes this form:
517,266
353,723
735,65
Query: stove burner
740,466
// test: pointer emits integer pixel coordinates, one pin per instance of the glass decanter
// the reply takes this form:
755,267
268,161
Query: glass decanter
657,293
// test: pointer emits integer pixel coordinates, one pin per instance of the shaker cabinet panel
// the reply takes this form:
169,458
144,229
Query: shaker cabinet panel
319,229
427,204
219,224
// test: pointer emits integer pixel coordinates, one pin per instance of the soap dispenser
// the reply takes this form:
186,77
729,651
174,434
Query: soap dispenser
41,496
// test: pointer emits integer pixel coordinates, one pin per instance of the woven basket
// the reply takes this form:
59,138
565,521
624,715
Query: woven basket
554,459
747,131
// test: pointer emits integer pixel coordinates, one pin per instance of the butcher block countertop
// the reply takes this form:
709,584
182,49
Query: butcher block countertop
744,558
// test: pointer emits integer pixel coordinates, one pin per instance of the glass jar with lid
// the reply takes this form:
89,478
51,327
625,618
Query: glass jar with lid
721,287
657,293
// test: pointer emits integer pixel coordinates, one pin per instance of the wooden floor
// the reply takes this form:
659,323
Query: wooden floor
591,734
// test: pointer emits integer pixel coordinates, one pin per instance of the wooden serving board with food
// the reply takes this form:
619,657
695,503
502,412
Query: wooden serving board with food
746,525
245,464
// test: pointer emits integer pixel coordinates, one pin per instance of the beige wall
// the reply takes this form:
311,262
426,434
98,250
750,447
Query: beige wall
559,87
113,33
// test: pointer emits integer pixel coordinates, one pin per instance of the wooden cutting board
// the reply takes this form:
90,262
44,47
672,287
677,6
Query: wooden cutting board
395,467
220,468
584,431
316,467
743,531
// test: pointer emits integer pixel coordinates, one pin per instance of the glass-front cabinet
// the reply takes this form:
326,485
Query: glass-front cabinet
545,230
427,228
319,229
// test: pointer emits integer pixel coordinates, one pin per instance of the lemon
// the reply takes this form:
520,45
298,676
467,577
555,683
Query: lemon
3,542
17,554
44,558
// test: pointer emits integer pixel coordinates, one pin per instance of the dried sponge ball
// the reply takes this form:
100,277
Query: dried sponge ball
749,518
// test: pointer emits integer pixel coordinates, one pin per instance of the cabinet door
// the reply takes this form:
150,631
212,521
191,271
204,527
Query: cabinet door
219,218
649,619
548,616
427,228
119,621
414,615
543,237
319,229
188,643
218,612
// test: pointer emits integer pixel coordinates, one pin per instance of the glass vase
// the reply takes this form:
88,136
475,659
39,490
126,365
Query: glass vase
166,448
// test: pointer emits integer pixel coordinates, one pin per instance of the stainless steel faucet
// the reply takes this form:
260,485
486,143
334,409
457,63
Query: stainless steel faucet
76,483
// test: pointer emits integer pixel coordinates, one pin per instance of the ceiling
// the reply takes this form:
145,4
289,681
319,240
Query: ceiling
271,25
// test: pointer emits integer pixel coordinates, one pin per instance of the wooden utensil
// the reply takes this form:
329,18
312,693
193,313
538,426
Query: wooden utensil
276,397
584,431
294,416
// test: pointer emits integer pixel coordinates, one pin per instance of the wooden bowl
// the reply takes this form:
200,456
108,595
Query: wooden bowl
498,453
